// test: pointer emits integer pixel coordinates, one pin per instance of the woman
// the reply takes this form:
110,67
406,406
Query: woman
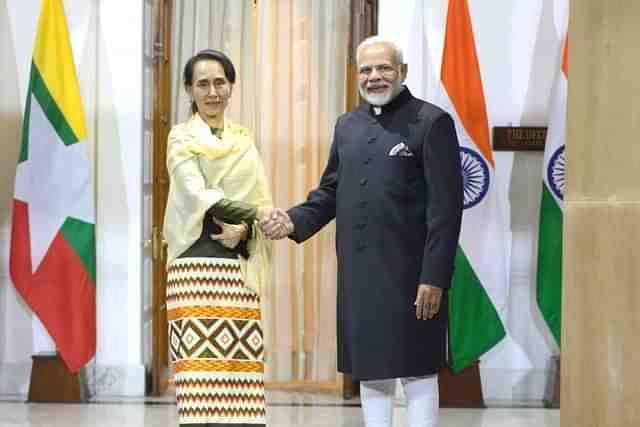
217,259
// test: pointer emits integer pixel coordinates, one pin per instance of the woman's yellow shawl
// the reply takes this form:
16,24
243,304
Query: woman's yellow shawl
204,169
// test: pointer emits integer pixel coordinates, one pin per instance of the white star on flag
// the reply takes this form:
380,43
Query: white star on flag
50,184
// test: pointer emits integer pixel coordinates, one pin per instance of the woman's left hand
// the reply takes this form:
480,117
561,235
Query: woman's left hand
231,234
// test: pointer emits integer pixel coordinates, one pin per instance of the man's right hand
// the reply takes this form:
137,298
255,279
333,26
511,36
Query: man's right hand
276,225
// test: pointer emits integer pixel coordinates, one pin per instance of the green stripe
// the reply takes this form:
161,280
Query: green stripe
24,146
474,324
51,110
549,278
82,238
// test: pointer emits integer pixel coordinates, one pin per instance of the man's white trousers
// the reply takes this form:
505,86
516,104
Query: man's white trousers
422,401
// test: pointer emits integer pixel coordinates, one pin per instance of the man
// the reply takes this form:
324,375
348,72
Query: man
394,184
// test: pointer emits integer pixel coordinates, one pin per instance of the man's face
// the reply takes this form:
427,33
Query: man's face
210,88
380,78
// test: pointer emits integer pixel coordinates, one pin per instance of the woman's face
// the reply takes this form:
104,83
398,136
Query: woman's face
210,88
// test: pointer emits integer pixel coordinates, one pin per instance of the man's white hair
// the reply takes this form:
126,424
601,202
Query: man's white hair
380,40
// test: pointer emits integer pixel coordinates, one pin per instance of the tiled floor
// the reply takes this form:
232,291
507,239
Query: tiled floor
285,409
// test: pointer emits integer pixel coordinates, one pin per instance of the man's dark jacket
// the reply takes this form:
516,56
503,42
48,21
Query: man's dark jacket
397,225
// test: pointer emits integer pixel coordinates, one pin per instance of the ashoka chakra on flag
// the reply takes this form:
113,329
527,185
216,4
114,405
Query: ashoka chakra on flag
475,177
556,171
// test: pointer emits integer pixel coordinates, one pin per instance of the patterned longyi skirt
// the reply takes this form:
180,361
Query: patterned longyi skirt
216,344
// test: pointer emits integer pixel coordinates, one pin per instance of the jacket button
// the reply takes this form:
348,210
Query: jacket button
363,181
367,160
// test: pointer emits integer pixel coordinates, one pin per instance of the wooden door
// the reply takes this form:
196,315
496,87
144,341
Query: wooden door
364,23
160,371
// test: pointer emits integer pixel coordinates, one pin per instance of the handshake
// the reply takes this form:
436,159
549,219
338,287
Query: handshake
275,223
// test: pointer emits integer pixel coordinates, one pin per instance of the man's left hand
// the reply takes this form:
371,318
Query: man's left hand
427,301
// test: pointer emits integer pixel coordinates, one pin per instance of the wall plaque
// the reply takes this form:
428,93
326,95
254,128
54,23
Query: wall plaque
519,138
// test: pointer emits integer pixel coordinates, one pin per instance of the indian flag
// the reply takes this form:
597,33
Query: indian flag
480,280
53,255
549,278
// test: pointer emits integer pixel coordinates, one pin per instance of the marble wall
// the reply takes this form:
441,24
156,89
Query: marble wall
601,363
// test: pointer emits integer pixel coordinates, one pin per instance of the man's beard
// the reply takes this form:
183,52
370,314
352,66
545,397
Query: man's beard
381,99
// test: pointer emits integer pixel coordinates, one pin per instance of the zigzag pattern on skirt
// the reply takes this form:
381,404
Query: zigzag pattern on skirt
220,383
202,281
221,398
215,412
216,344
201,267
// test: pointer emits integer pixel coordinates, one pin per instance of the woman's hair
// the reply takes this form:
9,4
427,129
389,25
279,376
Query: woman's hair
207,54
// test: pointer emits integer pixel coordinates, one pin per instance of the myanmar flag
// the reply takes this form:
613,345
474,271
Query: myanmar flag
53,254
478,291
549,278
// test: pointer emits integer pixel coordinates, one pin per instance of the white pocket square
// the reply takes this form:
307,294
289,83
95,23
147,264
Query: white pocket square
400,150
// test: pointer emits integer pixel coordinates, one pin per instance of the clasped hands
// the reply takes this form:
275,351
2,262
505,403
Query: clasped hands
275,223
